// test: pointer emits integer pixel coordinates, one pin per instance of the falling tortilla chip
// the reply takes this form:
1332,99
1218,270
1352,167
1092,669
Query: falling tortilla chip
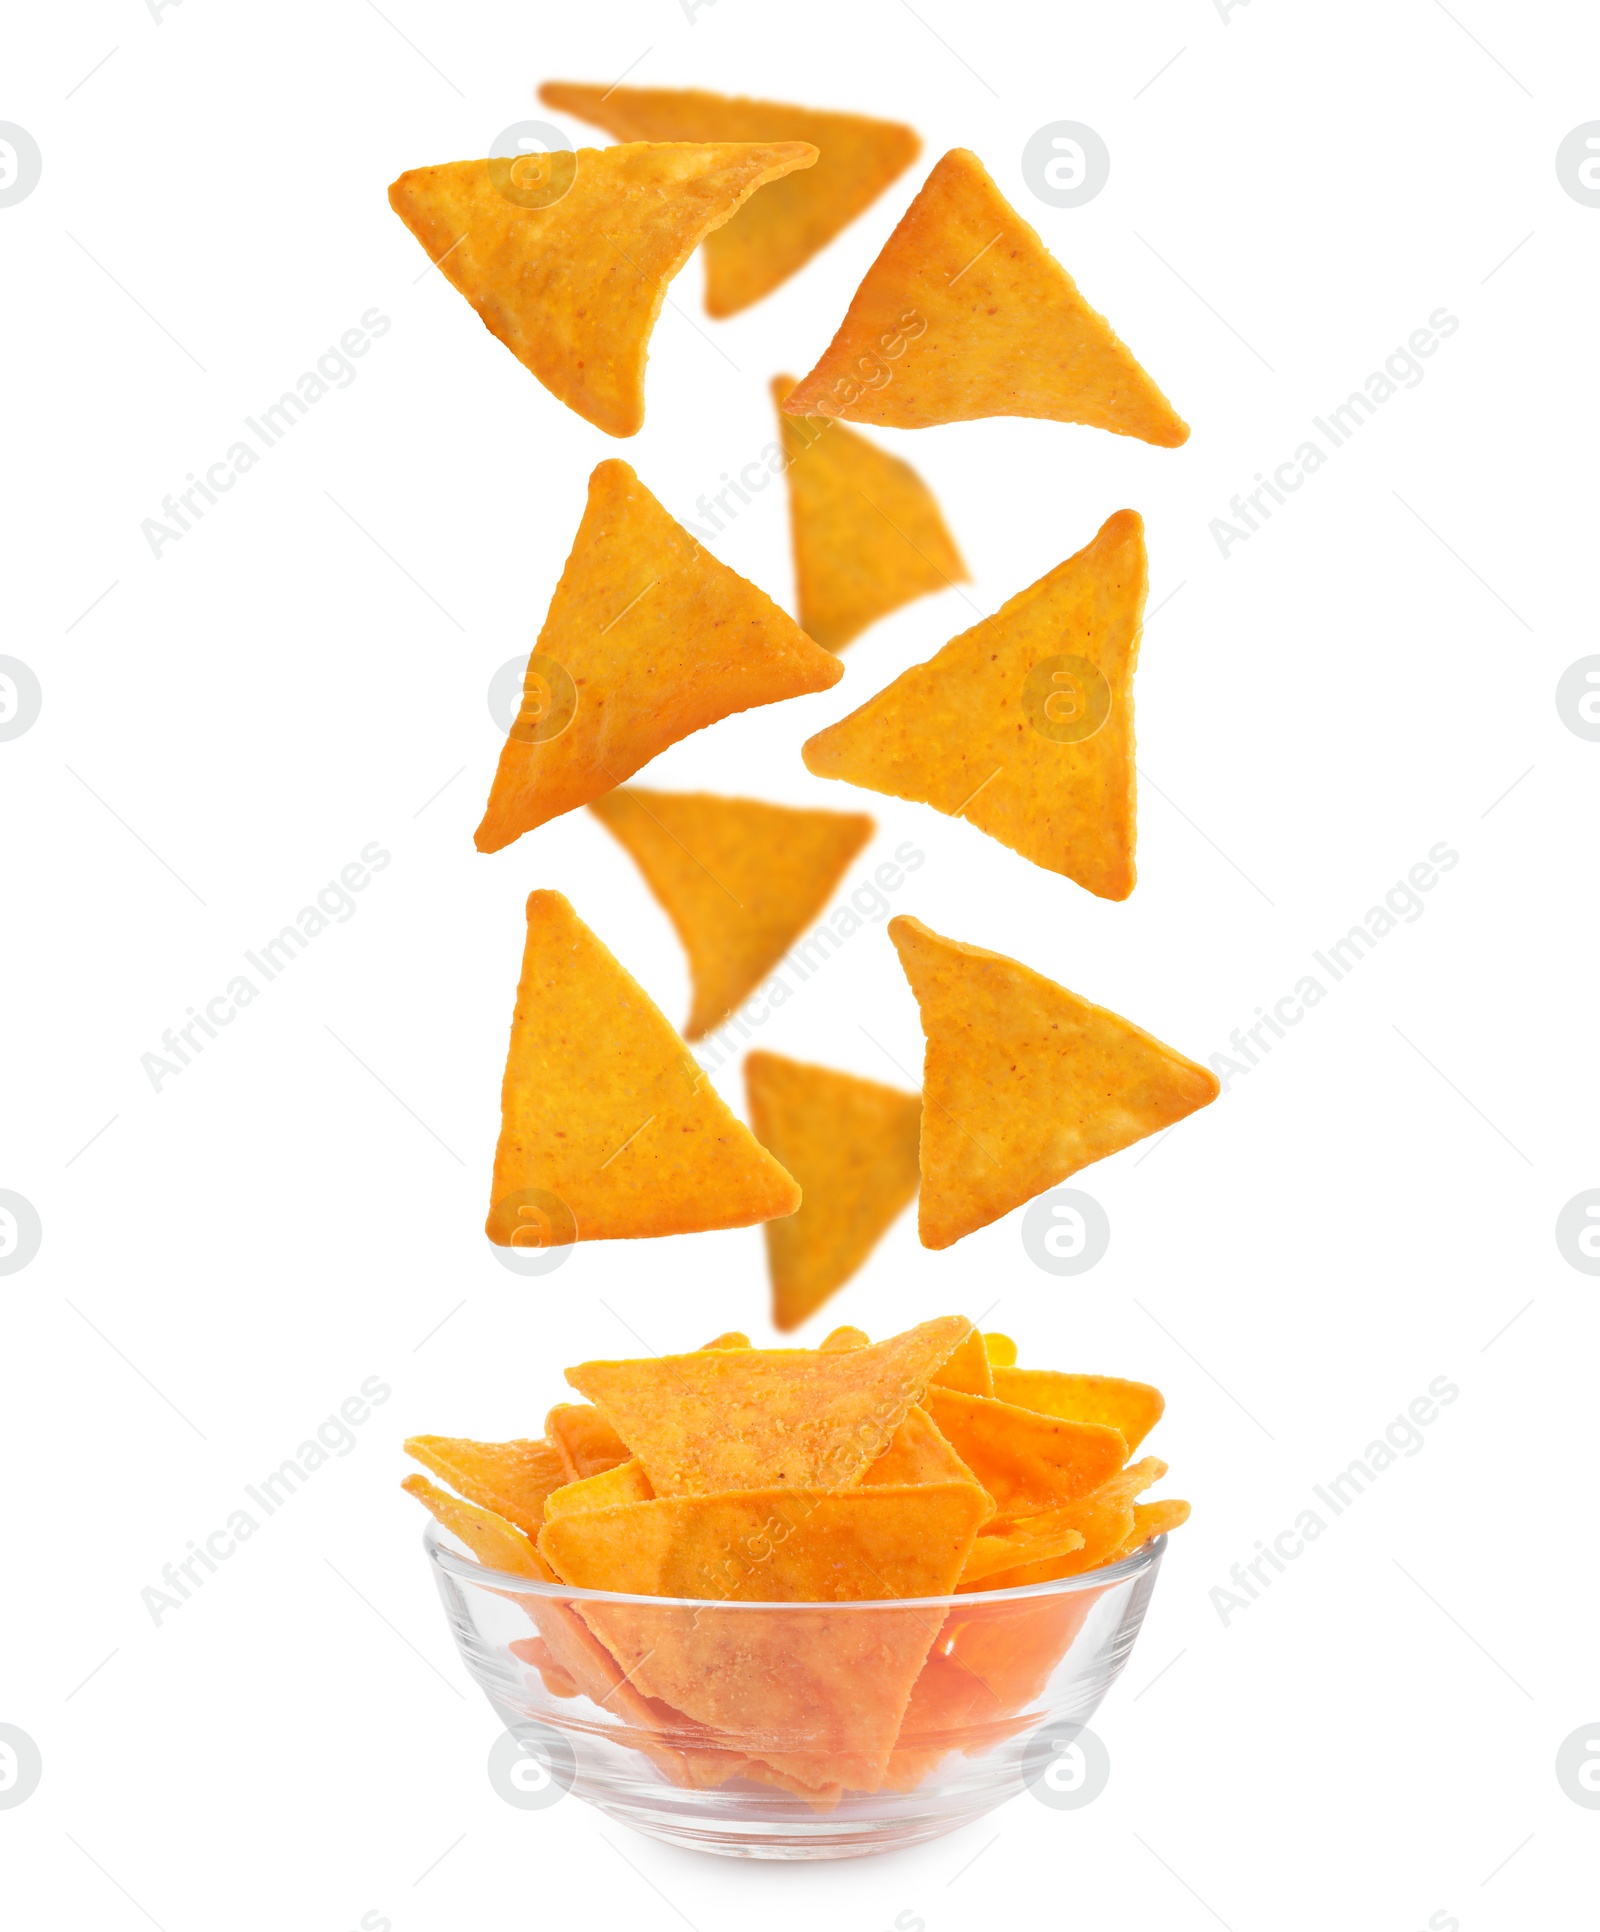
965,313
781,229
511,1478
648,638
852,1146
497,1544
740,880
867,534
967,1369
625,1482
1022,725
586,1443
566,256
1026,1462
1024,1083
608,1129
767,1418
1132,1408
845,1338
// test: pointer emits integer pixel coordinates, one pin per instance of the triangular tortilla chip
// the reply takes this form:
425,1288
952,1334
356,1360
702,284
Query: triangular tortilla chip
867,534
586,1443
1027,1539
919,1454
766,1418
782,229
1132,1408
966,313
739,879
1023,1082
1103,1521
1026,1462
606,1124
845,1337
573,287
1022,725
492,1540
852,1146
648,638
968,1369
511,1478
625,1482
1151,1520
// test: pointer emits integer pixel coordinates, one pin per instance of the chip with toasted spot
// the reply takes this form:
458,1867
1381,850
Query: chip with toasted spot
1133,1408
1026,1462
511,1478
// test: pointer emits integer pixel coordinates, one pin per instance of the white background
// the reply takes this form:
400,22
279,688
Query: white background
305,672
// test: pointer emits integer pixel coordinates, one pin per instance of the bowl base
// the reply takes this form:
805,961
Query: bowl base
807,1839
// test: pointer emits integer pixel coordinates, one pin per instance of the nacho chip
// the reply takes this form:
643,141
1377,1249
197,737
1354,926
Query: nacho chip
740,880
511,1478
1104,1521
1024,1082
1027,1539
867,533
648,638
781,229
492,1540
965,313
626,1482
767,1418
1026,1462
608,1129
1022,725
918,1453
1151,1520
852,1147
845,1338
567,258
967,1369
1133,1408
1002,1353
732,1339
586,1443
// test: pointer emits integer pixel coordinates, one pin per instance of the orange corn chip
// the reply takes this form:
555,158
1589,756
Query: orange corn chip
625,1483
965,313
1028,1539
918,1453
968,1369
511,1478
1133,1408
1027,1462
845,1338
739,880
585,1441
852,1146
732,1339
648,638
1151,1520
1105,1520
779,231
608,1129
566,257
1002,1353
1024,1082
1022,725
767,1418
867,533
492,1540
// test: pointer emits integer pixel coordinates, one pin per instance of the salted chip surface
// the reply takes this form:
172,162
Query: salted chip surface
566,256
608,1128
918,1453
967,1368
1132,1408
748,1419
965,313
867,533
511,1478
779,230
625,1482
740,880
1024,1082
492,1540
851,1145
648,638
1022,725
586,1443
1026,1462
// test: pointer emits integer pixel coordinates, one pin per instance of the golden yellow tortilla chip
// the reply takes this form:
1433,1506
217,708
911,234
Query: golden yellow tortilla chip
1151,1520
586,1443
967,1369
1026,1539
567,256
492,1540
767,1418
846,1337
781,229
734,1338
511,1478
852,1146
1023,1082
1132,1408
1001,1351
965,313
1022,725
1104,1520
867,533
625,1482
1026,1462
608,1128
740,880
918,1453
648,638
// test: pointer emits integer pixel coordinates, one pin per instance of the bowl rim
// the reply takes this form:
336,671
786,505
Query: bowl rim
443,1556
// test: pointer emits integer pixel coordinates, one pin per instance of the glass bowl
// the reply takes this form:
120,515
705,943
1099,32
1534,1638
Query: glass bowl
788,1730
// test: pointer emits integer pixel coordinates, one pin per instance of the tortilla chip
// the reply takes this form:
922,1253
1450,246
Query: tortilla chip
767,1418
1151,1520
732,1339
586,1443
867,533
918,1453
780,230
511,1478
1027,1539
607,1124
573,287
1027,1462
492,1540
648,638
845,1338
965,313
852,1146
1024,1082
967,1369
739,879
626,1482
1133,1408
1104,1522
1022,725
1002,1352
